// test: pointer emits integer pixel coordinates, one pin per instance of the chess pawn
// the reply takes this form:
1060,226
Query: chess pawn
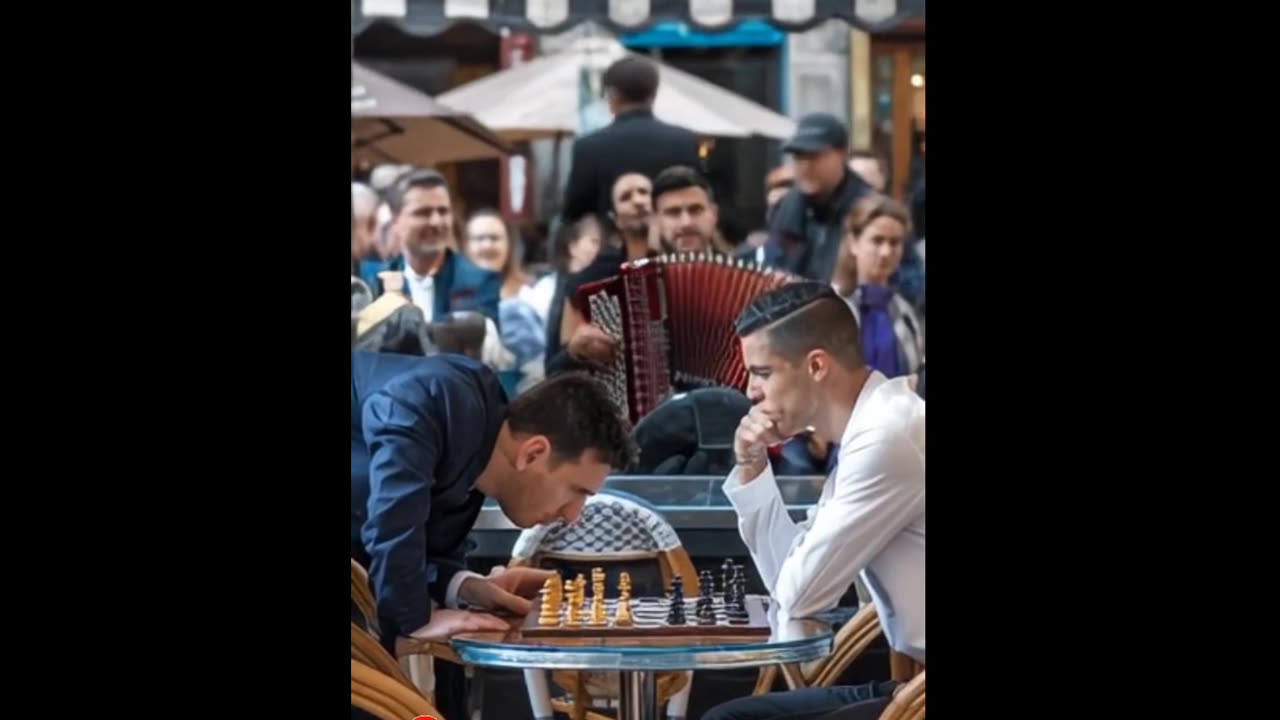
569,593
705,611
622,617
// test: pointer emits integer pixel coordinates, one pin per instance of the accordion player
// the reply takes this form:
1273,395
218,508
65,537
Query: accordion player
674,317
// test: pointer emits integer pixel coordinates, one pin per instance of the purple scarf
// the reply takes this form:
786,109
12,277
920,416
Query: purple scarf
879,343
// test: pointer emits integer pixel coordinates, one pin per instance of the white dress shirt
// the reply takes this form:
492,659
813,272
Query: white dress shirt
422,290
868,521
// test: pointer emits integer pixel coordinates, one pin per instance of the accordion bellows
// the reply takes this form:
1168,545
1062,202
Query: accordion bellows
674,316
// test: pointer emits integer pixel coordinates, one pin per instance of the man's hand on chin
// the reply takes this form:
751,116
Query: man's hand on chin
510,590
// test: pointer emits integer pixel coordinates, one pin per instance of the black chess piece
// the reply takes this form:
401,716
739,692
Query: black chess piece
736,600
675,612
707,583
732,586
740,590
706,610
725,571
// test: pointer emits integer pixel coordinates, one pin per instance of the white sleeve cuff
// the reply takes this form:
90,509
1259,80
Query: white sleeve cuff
451,592
757,494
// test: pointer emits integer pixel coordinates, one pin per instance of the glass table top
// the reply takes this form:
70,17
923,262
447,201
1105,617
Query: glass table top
790,640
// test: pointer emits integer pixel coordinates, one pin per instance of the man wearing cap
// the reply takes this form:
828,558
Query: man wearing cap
807,227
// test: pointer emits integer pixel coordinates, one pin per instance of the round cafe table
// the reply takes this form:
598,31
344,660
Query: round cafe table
639,659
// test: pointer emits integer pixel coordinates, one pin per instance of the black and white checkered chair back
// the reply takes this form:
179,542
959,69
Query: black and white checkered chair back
611,528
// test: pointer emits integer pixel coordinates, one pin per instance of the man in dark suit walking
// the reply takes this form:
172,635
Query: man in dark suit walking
635,141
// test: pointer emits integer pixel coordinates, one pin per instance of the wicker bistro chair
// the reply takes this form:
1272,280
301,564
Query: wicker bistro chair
616,529
417,662
853,638
386,697
908,701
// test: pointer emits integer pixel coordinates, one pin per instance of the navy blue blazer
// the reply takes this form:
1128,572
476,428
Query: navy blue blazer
422,431
459,285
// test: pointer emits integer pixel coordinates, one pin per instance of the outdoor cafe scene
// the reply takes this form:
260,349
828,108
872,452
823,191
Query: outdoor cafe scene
638,359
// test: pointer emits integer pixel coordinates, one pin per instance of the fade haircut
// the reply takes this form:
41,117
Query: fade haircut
575,412
633,78
803,316
679,177
425,178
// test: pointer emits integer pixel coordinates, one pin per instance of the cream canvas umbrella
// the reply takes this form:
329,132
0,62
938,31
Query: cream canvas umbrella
540,98
392,122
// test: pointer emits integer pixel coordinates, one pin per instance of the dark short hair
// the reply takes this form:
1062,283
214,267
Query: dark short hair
634,78
425,178
804,316
679,177
569,234
576,414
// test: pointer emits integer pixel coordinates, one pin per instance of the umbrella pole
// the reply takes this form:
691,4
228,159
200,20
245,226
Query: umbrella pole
557,195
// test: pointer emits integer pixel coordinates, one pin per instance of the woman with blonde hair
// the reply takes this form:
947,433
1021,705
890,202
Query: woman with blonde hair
492,243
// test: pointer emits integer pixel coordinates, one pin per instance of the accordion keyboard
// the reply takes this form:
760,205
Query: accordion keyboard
606,312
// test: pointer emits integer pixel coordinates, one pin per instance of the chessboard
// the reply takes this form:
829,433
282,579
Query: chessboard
565,611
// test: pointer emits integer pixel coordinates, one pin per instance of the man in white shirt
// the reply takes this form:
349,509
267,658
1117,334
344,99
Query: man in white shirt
801,346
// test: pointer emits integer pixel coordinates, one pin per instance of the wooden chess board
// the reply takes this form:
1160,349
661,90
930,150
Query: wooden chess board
649,619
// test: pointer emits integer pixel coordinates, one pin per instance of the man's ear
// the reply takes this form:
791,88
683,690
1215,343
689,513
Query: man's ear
530,450
818,364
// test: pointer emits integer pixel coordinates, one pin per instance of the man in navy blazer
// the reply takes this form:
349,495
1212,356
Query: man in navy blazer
435,278
431,437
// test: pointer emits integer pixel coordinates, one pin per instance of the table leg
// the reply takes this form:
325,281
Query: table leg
639,696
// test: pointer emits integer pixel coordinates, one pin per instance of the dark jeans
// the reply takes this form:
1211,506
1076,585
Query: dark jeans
850,702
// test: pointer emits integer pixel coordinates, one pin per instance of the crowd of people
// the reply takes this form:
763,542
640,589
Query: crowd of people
836,361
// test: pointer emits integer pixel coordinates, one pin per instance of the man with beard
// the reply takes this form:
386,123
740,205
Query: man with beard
431,438
687,213
573,343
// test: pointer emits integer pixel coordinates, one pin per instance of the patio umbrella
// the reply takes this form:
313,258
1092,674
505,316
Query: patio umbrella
392,122
541,98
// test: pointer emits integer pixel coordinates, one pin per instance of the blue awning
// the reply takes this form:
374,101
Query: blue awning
428,17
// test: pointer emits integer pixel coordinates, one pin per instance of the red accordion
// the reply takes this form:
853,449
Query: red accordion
674,316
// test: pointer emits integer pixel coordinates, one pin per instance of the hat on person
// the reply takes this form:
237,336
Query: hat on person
817,132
